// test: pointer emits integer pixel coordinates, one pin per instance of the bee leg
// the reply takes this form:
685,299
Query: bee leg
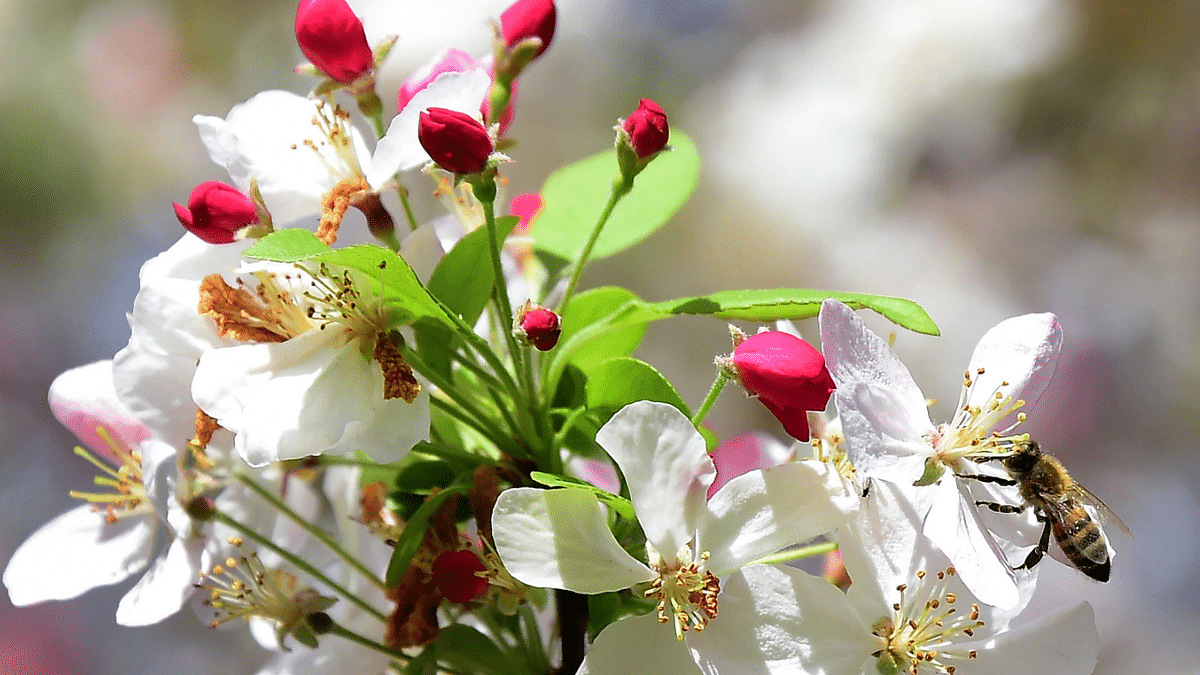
1001,508
1035,556
984,478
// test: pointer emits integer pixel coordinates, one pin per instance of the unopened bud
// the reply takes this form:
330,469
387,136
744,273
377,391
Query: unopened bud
333,39
647,129
216,211
454,140
787,375
538,326
529,19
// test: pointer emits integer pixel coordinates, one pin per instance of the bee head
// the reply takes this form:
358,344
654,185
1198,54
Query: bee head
1024,456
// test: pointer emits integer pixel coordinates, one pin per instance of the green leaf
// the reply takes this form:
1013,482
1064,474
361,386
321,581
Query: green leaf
392,280
463,278
618,382
589,323
623,507
466,650
575,195
290,245
796,303
414,532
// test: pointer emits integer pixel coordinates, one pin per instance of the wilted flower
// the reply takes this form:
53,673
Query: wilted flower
216,211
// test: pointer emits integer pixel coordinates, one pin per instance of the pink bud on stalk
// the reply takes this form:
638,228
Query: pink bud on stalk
526,19
216,211
647,129
787,374
333,39
538,326
454,61
454,140
454,575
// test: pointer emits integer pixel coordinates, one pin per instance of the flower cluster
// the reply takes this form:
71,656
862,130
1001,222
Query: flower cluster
364,455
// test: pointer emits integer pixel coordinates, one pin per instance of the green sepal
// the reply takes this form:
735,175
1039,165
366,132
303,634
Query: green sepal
933,472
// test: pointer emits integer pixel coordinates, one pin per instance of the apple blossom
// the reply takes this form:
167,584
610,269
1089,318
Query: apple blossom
696,547
889,435
456,61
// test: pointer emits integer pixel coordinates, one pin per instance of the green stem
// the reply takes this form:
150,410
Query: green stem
619,190
478,419
487,197
501,440
315,531
300,564
798,553
408,212
711,398
342,632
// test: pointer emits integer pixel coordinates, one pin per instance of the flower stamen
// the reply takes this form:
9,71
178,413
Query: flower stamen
128,493
920,634
687,594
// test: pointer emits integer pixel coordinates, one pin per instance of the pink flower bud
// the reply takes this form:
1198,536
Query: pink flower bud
539,327
454,575
454,61
332,38
787,374
526,19
456,141
216,211
647,128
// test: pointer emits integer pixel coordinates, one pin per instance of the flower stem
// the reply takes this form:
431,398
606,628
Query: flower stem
620,189
315,531
711,398
485,192
342,632
408,212
798,553
299,562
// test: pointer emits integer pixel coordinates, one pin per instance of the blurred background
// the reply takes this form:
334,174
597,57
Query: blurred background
985,159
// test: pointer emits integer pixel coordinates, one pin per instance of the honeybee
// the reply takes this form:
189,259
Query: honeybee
1059,502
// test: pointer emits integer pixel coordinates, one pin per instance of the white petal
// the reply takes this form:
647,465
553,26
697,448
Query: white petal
560,539
159,471
778,620
763,511
265,137
882,546
313,394
953,526
1063,643
165,587
638,644
883,412
1018,356
399,149
76,552
666,466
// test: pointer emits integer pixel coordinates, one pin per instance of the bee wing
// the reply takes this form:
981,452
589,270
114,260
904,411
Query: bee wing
1106,514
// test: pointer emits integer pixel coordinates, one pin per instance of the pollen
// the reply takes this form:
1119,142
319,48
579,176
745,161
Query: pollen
687,594
973,432
920,635
336,202
398,378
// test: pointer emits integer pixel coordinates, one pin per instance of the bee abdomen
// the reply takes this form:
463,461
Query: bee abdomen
1083,543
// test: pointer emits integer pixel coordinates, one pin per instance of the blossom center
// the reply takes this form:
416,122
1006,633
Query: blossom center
126,493
972,432
919,635
686,592
244,587
333,143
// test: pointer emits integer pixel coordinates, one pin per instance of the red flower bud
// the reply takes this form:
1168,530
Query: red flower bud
647,128
787,374
454,575
455,140
332,38
526,19
216,211
454,61
539,327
